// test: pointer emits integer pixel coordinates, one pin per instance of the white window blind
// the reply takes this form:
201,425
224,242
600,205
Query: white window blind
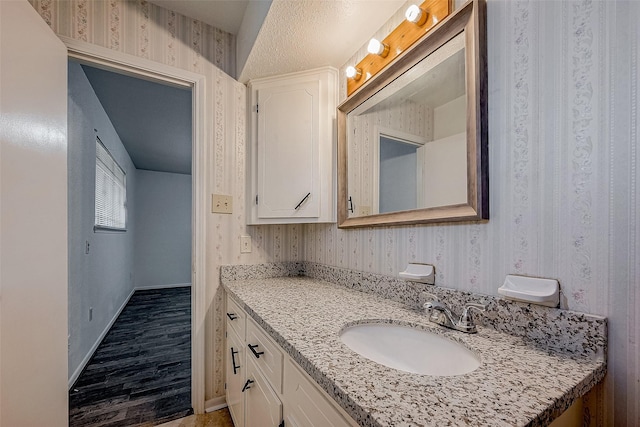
111,191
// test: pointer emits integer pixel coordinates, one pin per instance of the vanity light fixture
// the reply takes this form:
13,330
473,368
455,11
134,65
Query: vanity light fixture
376,47
353,73
416,15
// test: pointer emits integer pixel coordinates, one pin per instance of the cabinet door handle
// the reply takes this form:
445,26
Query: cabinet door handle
233,361
302,201
247,385
232,316
253,350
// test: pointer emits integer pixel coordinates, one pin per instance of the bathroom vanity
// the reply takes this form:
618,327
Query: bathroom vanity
296,322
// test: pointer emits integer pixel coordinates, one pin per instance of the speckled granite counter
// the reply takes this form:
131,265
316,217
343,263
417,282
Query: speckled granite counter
518,383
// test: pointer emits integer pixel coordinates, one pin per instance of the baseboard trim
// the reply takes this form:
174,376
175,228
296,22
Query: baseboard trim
87,358
215,404
176,285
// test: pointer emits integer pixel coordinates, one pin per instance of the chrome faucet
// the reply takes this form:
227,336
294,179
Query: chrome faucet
442,315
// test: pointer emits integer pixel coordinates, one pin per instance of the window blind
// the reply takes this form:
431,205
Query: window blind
111,196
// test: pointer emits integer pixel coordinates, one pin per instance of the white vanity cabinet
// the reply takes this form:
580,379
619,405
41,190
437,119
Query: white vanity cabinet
265,387
292,165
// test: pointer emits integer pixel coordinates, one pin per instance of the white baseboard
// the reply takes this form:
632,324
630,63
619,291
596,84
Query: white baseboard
215,404
93,349
176,285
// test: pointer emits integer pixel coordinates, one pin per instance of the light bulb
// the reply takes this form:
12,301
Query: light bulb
353,72
376,47
415,14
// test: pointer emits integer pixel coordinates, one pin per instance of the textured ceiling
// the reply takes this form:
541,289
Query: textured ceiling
303,34
223,14
152,120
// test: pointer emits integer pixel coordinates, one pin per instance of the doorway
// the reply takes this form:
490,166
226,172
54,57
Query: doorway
130,262
133,66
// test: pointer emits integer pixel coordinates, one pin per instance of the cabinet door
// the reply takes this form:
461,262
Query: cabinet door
288,133
306,405
236,373
263,407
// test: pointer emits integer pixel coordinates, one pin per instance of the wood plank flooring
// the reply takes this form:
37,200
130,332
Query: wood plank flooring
140,375
219,418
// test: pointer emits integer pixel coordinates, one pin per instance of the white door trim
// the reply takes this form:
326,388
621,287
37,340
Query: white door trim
143,68
398,135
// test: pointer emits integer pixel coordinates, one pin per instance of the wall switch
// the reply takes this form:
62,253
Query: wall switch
245,244
221,204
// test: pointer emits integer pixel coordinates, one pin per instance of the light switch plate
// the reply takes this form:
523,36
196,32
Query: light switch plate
221,204
245,244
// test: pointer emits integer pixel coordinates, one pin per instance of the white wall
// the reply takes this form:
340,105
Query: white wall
252,21
103,278
564,180
163,229
33,221
449,118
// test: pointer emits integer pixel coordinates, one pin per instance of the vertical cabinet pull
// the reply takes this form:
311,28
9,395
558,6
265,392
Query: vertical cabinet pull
232,316
247,385
253,350
233,361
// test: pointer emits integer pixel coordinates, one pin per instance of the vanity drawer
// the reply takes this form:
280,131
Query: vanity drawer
236,317
266,354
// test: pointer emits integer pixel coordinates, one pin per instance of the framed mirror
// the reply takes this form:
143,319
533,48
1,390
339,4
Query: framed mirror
412,141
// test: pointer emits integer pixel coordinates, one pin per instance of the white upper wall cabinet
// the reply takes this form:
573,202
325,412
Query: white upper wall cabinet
292,162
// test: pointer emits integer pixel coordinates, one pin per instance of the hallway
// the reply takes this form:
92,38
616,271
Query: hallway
140,375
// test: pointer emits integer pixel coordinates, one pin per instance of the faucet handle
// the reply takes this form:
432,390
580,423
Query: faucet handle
469,305
430,305
466,321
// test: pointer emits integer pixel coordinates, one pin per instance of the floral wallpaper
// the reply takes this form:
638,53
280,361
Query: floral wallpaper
564,197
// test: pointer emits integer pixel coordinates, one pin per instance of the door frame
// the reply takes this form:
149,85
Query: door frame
400,136
101,57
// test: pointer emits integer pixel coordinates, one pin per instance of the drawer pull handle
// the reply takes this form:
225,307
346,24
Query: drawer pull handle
233,361
253,350
247,385
232,316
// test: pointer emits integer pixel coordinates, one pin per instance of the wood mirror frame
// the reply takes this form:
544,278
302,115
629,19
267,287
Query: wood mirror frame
470,18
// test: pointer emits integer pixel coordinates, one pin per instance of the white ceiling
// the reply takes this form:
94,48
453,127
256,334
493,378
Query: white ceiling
299,35
223,14
152,120
295,35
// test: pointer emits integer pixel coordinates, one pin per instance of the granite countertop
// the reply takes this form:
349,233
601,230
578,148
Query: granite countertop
517,384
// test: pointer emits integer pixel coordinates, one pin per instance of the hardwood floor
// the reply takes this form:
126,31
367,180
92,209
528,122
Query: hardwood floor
140,375
220,418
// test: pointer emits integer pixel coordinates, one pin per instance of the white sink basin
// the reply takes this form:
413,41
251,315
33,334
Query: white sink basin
409,349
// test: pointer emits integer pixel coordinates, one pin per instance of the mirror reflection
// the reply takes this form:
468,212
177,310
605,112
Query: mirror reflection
407,144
